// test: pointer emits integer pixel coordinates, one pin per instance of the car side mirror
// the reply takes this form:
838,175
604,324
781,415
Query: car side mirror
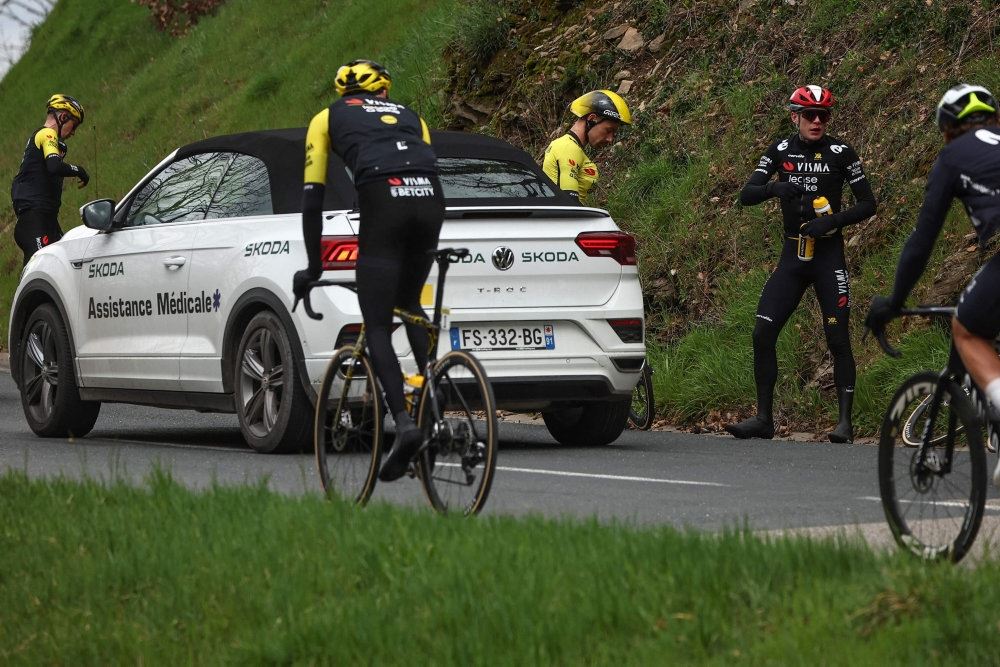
97,214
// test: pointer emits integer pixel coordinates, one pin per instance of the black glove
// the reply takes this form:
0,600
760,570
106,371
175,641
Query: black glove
818,227
80,173
301,280
784,189
880,312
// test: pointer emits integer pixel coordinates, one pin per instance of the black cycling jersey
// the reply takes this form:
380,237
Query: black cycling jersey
38,184
967,168
821,168
374,137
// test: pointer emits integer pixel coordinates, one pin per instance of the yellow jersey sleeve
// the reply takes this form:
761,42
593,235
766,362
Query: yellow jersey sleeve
317,147
569,167
48,141
426,132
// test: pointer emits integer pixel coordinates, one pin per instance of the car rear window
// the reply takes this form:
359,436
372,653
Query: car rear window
479,178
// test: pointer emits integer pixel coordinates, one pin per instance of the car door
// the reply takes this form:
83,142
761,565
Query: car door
135,299
239,243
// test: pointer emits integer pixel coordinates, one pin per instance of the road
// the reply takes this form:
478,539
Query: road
645,478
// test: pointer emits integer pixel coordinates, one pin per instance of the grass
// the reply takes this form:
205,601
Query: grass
108,573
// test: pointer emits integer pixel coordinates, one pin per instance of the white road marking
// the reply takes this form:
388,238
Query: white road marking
620,478
941,503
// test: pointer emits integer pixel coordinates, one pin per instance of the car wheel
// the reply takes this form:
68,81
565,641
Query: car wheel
589,425
274,412
49,395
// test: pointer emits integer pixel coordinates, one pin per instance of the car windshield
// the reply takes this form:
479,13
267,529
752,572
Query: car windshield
478,178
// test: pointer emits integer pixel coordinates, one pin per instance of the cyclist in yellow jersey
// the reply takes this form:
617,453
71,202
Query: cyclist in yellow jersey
600,113
386,147
36,191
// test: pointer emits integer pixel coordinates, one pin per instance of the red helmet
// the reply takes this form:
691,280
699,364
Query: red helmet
810,97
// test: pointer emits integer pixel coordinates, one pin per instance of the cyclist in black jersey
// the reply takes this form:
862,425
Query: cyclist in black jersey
968,169
386,146
37,188
809,164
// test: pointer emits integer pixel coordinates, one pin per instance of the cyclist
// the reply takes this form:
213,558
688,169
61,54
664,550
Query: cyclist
809,163
600,114
386,147
37,188
967,168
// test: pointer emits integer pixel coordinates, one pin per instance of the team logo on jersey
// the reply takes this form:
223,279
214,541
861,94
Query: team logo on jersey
783,145
354,101
571,161
838,148
788,166
817,156
590,171
389,120
813,168
411,186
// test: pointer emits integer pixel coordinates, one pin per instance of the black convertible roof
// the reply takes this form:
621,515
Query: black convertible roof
283,151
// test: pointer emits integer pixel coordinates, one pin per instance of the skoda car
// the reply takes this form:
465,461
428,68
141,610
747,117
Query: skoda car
179,295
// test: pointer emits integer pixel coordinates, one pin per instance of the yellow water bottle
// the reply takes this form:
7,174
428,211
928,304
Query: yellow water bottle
412,384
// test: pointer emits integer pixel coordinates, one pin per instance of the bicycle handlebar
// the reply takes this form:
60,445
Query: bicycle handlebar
445,255
919,311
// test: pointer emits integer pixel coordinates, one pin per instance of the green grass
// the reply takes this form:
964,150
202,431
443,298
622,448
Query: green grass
254,65
108,573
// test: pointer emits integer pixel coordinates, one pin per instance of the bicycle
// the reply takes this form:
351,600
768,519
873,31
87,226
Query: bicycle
944,475
641,411
455,409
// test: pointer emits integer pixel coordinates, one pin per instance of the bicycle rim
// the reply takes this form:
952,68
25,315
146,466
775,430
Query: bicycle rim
458,464
640,414
913,426
934,513
348,428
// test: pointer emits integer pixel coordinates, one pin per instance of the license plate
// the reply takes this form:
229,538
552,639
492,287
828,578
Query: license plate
503,337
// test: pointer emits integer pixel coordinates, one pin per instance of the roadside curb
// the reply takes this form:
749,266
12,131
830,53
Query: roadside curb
4,362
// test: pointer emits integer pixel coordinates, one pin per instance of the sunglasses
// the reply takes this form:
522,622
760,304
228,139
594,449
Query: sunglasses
815,114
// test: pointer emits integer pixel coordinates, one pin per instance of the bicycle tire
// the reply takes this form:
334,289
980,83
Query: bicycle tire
641,410
348,428
955,499
457,465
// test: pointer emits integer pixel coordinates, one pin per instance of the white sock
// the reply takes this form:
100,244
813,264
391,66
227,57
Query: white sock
993,394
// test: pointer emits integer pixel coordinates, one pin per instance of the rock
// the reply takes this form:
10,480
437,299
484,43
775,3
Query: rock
615,33
657,44
632,41
624,87
624,74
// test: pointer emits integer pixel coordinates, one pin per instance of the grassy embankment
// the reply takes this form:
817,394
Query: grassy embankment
115,574
707,104
254,65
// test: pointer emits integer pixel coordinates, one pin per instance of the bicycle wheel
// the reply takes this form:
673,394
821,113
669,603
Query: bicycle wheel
640,413
913,427
348,427
457,465
934,509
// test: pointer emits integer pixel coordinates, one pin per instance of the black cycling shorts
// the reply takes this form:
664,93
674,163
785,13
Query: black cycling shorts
35,229
979,304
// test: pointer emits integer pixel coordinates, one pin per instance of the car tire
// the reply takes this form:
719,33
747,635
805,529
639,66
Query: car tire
273,410
588,425
49,395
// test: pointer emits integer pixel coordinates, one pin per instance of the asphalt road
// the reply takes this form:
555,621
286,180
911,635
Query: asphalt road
645,477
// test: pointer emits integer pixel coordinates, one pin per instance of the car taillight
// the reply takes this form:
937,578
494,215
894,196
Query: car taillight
339,252
629,329
617,245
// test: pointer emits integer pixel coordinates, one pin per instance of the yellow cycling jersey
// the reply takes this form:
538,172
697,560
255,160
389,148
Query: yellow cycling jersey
569,167
374,136
47,141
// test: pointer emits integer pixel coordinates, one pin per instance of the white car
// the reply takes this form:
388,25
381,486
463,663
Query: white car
179,295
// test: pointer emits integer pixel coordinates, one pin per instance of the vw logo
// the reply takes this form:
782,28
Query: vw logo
503,258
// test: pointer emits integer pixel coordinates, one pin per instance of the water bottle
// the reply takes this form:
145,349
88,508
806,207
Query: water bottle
412,384
807,244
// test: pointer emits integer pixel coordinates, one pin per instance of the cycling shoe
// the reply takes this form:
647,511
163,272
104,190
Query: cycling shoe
843,433
754,427
406,444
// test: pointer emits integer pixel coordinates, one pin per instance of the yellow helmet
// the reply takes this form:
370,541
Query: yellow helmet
359,75
604,103
60,102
